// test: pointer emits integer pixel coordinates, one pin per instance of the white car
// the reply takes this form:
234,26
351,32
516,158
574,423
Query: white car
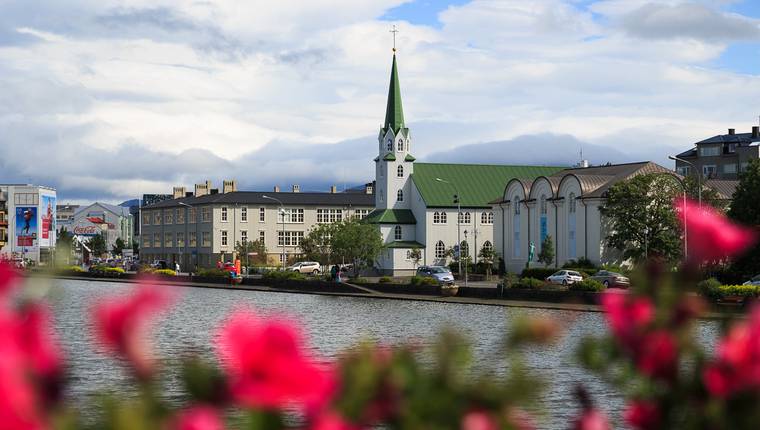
565,277
311,267
754,281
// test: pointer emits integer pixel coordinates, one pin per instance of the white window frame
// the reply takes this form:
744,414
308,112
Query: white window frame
706,170
223,237
244,214
243,236
398,233
400,195
400,171
224,214
292,238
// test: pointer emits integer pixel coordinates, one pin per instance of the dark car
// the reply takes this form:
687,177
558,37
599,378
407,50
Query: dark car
611,279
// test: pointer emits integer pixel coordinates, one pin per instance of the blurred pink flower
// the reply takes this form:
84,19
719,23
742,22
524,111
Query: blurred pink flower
642,415
332,421
199,417
710,235
519,419
627,316
657,355
737,363
8,279
479,420
38,342
121,324
592,419
268,366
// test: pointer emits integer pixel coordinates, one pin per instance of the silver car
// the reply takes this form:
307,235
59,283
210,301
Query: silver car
565,277
306,267
754,281
440,273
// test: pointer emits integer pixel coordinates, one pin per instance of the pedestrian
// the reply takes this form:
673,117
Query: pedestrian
176,268
334,273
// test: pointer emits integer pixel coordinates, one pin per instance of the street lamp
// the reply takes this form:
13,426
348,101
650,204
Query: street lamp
457,200
282,211
187,239
699,175
468,256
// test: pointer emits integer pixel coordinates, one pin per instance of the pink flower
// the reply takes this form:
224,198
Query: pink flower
121,325
479,420
710,235
8,279
657,355
38,343
737,363
591,419
332,421
199,417
642,415
518,419
267,364
627,316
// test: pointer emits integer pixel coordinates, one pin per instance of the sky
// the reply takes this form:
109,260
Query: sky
110,99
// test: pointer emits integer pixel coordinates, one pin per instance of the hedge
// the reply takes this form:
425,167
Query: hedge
530,284
709,288
587,285
164,272
712,289
423,280
283,275
385,280
538,272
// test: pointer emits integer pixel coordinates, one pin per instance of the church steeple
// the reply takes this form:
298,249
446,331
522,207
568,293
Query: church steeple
394,112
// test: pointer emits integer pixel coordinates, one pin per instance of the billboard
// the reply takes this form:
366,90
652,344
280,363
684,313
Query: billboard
47,220
26,227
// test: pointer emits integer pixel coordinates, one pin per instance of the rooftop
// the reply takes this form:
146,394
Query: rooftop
287,198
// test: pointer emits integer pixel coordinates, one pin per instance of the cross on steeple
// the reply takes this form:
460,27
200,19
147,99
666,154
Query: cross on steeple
394,31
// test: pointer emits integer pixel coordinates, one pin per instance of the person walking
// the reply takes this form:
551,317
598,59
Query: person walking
176,268
334,273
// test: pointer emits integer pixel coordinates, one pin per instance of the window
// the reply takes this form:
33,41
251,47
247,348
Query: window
291,216
440,250
192,238
224,237
146,241
206,215
709,151
684,170
400,195
326,216
361,213
180,240
262,213
244,214
169,216
708,171
400,171
26,199
261,236
191,215
224,214
542,205
464,218
517,205
439,217
146,218
244,236
206,239
389,145
156,240
400,145
571,203
157,218
168,240
180,215
291,238
486,218
487,246
729,168
397,233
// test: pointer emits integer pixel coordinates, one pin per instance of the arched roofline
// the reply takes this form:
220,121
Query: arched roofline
552,191
565,178
526,190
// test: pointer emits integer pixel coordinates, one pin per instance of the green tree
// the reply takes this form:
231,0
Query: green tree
247,248
640,217
118,246
416,256
745,209
64,246
356,241
487,256
97,245
317,245
546,255
709,195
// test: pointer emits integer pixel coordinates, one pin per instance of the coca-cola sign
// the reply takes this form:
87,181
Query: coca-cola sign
87,230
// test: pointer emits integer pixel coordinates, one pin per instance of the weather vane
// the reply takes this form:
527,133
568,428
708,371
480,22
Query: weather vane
394,31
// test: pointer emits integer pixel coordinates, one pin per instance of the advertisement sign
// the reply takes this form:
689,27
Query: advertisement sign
47,220
26,227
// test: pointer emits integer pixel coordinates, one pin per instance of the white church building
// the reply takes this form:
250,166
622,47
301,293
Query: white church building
416,203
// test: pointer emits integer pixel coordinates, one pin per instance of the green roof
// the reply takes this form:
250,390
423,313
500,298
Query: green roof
391,216
389,157
394,112
404,244
478,184
409,157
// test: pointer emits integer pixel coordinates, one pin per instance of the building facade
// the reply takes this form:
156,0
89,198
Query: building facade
720,157
204,229
113,222
30,230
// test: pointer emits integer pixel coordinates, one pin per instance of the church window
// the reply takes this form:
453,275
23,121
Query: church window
400,145
400,195
571,203
486,218
439,217
397,233
390,145
543,205
517,205
440,250
400,171
464,217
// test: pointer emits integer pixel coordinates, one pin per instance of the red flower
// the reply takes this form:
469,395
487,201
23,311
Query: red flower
199,417
591,419
8,279
737,364
710,235
642,415
268,366
332,421
479,420
657,355
121,324
627,316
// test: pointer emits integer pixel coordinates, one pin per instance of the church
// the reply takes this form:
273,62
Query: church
432,207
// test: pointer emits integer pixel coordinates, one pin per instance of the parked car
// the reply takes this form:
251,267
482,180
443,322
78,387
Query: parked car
159,264
754,281
611,279
564,277
441,274
306,267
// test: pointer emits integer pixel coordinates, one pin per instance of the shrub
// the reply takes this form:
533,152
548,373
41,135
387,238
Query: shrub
739,290
587,285
510,281
581,263
144,268
118,270
423,280
530,284
284,275
70,270
358,280
385,280
709,288
537,272
164,272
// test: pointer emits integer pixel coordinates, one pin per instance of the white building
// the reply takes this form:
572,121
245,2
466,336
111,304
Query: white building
31,231
114,222
415,202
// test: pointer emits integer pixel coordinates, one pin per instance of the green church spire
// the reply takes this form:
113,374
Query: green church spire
394,112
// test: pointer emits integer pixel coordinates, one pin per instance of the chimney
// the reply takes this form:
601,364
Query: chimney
333,189
178,192
276,188
731,131
229,186
368,189
202,189
755,131
296,188
214,191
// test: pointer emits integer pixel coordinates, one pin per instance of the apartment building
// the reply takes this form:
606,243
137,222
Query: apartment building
27,223
720,157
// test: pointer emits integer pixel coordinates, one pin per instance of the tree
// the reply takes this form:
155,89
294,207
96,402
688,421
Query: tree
546,255
118,246
245,249
746,210
356,241
709,195
317,244
640,217
487,256
97,245
415,255
64,245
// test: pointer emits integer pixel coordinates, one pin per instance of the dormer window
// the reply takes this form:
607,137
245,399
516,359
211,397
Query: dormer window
400,145
390,145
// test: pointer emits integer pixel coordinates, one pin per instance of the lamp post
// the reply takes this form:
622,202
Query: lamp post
457,200
282,211
699,175
187,239
468,256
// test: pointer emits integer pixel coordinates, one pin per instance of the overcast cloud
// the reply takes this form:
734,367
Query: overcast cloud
110,99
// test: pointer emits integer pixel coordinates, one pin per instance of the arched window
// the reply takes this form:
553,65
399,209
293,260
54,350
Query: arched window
400,145
400,195
390,145
440,250
439,218
464,218
571,203
400,171
486,218
543,205
517,205
397,233
487,245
